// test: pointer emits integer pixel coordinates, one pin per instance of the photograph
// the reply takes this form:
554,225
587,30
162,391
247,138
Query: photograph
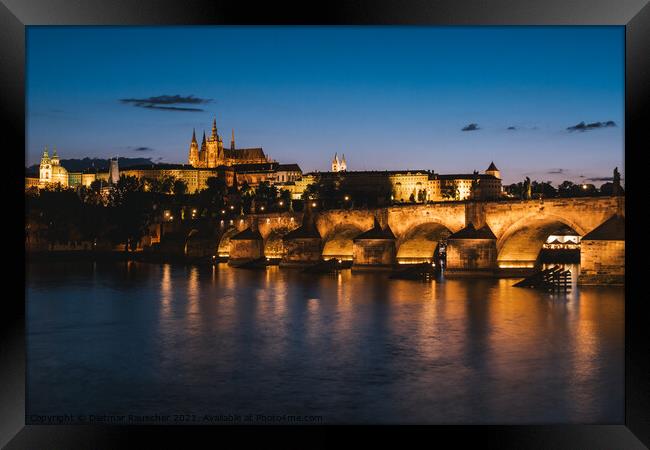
325,225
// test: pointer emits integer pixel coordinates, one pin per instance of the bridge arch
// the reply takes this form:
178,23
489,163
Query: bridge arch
223,247
193,232
419,242
338,243
273,244
521,243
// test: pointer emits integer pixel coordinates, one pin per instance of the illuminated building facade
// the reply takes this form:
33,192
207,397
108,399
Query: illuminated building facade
339,165
212,153
51,172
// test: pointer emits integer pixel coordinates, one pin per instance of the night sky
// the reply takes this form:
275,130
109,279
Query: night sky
449,99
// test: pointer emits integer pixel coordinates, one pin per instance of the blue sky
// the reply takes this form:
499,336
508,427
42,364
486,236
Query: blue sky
387,97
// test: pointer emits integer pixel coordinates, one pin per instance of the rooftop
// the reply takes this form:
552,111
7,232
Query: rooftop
469,232
289,167
376,232
247,234
613,229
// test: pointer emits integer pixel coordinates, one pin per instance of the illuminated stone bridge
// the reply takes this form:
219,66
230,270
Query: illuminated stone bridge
480,235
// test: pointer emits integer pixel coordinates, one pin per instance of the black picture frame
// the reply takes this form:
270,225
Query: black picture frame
633,14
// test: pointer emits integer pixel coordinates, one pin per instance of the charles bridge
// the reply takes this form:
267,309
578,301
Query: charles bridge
480,236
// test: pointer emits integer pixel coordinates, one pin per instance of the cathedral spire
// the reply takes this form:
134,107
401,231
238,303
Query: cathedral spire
193,135
232,140
45,154
335,163
214,129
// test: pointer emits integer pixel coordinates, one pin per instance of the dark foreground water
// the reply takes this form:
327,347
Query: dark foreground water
144,339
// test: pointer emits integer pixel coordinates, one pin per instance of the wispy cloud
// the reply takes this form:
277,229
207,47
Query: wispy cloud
142,149
167,102
555,171
601,179
591,126
470,127
512,128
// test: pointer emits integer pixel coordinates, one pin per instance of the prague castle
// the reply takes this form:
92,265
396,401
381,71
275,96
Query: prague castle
213,154
253,166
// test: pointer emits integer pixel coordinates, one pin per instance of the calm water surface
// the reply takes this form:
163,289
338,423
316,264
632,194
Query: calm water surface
136,338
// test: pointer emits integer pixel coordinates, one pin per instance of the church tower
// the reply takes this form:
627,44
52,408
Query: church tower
212,146
343,165
232,140
55,158
114,171
202,152
492,170
193,159
335,163
45,169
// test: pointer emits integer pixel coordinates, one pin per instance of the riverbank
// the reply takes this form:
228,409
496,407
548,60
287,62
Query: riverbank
164,258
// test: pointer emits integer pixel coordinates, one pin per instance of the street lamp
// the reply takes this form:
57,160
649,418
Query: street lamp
346,198
281,203
313,205
261,208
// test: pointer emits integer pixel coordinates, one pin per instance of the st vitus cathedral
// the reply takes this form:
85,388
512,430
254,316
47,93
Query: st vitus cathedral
213,154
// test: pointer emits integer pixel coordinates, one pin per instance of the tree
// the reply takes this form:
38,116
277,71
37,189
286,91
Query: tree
515,189
543,189
57,209
212,199
179,188
607,189
131,211
450,191
247,195
285,198
567,189
422,195
527,191
326,189
161,185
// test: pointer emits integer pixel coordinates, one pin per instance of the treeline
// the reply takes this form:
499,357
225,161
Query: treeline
546,189
123,214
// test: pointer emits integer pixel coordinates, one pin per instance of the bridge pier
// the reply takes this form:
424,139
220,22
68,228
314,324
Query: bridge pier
472,251
374,249
303,246
246,246
602,253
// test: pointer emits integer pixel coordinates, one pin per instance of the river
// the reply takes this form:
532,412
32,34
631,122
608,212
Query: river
143,339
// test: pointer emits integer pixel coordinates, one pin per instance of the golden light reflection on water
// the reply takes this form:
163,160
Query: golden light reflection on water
447,337
166,290
193,300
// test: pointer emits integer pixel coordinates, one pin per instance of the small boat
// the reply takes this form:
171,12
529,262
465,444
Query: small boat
329,266
414,272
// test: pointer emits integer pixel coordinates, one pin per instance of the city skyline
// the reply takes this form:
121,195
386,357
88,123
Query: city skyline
448,99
